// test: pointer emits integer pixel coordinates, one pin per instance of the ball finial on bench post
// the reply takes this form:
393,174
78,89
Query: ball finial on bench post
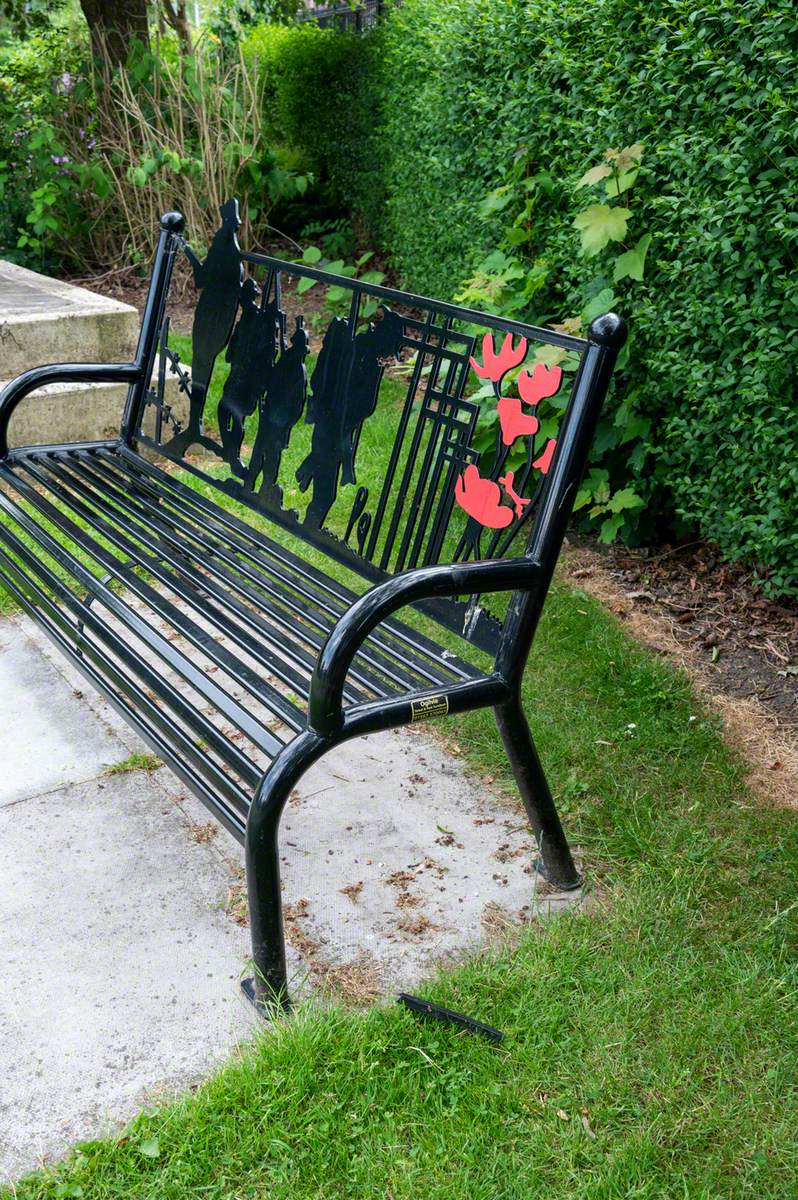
172,222
608,330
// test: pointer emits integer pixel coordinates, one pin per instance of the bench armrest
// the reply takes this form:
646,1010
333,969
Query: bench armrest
38,377
325,710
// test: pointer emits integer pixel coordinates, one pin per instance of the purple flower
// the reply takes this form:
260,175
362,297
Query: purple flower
67,81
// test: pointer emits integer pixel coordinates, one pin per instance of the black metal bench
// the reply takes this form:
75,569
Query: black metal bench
226,643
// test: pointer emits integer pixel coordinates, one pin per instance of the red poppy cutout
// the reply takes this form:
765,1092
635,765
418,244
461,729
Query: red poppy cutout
494,366
543,382
544,462
481,499
519,502
514,421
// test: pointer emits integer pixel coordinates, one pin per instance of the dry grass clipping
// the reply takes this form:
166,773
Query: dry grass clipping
203,833
353,983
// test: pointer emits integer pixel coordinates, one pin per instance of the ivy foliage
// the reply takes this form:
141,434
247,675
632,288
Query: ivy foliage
477,123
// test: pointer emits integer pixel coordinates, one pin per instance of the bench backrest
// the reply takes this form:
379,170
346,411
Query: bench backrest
419,432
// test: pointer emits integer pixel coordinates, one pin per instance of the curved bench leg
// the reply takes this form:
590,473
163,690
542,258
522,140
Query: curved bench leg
270,988
556,863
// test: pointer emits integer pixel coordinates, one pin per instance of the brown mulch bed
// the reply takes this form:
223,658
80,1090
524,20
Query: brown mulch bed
746,644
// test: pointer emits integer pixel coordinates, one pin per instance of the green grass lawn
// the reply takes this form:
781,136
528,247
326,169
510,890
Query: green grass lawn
650,1046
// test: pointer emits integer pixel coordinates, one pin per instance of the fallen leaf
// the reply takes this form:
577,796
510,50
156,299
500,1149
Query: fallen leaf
775,765
586,1127
562,1114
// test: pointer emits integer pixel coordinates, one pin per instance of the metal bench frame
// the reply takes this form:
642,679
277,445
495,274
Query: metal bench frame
330,720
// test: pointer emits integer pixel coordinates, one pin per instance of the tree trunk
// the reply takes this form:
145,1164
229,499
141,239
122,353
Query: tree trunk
175,12
113,25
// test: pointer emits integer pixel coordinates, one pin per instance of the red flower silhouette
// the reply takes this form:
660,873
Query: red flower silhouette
544,381
544,462
519,502
497,365
481,499
514,421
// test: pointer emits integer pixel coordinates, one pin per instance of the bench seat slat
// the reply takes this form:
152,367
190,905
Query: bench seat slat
188,584
176,660
189,560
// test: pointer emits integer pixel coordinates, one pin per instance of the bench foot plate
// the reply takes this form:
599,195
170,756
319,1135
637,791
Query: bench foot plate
263,1008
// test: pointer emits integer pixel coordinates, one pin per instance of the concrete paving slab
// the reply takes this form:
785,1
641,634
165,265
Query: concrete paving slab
48,740
393,858
119,965
44,320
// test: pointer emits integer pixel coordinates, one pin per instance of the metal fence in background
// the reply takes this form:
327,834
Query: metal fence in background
344,16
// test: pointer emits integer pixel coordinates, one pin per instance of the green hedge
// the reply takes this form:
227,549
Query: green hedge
314,99
424,119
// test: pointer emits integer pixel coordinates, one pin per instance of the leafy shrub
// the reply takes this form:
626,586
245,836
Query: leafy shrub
36,83
455,92
93,155
231,19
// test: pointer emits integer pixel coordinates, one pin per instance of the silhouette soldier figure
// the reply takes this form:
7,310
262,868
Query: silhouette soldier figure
281,407
344,390
251,353
219,278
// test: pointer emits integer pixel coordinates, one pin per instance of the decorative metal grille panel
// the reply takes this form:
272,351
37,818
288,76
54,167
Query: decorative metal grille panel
292,434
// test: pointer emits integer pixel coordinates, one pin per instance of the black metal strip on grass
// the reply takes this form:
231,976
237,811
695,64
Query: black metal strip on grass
426,1008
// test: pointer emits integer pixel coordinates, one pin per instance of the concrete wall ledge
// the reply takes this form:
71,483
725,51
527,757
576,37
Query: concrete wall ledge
45,320
76,412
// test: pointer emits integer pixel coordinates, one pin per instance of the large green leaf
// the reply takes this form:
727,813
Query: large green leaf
594,175
617,186
632,263
599,224
625,498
